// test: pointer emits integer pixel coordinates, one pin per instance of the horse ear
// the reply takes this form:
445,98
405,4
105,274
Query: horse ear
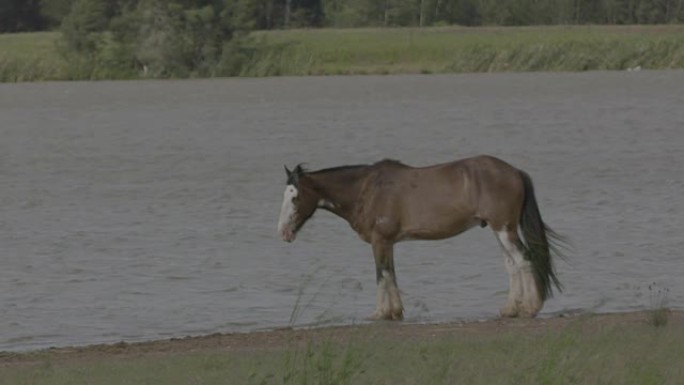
287,171
299,170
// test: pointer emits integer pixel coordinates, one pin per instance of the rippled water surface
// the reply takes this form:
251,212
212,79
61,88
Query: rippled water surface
143,210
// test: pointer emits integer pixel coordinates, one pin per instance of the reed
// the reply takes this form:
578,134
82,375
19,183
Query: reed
457,50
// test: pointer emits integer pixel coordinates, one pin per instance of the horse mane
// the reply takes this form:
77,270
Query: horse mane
388,162
300,170
338,168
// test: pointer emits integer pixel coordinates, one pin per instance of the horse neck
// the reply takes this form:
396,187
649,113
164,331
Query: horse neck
340,189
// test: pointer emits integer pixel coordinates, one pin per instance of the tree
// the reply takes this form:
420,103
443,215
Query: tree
83,26
54,11
20,16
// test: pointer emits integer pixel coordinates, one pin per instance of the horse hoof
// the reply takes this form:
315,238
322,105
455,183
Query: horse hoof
386,317
509,313
376,317
527,314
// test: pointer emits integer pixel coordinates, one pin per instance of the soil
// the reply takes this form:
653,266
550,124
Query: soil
286,337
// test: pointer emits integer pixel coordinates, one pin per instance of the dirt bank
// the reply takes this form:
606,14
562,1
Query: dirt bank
282,338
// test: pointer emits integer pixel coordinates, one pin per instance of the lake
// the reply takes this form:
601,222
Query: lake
145,210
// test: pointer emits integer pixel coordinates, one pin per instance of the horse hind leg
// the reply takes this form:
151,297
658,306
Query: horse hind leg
515,288
524,299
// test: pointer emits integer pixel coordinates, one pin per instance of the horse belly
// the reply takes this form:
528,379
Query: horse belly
438,228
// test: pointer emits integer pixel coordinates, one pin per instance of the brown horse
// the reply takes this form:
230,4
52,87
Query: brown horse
388,202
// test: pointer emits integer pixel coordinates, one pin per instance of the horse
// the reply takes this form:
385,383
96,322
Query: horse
389,202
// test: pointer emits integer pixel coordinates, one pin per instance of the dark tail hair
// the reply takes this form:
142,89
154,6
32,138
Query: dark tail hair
540,242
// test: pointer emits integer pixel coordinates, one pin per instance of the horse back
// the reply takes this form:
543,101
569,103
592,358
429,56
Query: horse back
437,201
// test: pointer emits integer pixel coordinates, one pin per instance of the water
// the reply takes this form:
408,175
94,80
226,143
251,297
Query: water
144,210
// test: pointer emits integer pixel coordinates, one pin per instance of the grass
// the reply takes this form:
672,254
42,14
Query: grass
33,56
457,49
581,352
659,313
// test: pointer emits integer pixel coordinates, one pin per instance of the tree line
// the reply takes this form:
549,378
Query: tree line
38,15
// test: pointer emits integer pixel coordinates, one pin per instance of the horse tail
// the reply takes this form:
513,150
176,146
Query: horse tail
540,242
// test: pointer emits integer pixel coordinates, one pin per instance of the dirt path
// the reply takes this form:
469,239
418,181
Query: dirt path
282,338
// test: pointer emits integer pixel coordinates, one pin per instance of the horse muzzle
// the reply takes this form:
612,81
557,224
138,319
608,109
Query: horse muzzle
288,235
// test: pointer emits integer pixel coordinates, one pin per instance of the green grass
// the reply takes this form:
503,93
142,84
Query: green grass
33,56
452,50
28,45
579,353
659,313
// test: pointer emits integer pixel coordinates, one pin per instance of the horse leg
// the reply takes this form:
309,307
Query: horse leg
389,306
515,289
524,298
395,299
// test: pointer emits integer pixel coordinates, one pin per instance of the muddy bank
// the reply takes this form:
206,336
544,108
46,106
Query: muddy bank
288,337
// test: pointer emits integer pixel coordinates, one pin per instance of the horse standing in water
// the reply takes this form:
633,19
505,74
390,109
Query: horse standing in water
388,202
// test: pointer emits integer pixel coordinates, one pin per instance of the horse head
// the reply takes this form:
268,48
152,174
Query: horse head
300,201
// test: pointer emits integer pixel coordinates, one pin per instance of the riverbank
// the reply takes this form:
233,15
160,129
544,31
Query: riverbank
34,56
625,348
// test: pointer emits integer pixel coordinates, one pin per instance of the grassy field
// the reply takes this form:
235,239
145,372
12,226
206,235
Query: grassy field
599,349
454,50
32,57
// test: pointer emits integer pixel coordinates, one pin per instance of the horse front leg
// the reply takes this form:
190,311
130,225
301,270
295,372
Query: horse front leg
389,306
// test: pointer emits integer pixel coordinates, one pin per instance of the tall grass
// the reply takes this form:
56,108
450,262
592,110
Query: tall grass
453,50
31,57
659,313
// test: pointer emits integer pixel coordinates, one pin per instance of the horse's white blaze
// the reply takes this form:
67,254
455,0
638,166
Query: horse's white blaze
287,212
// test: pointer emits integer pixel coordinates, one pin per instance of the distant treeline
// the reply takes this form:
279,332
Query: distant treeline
37,15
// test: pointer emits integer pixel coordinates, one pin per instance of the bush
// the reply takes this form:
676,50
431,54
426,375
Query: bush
153,38
83,26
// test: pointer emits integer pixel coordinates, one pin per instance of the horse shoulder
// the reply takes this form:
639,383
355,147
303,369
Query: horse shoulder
376,210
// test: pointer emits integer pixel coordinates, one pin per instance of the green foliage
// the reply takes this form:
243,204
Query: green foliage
165,40
353,13
54,11
84,32
148,38
20,15
31,15
31,57
83,26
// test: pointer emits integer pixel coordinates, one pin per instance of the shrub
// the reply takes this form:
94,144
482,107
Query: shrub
153,38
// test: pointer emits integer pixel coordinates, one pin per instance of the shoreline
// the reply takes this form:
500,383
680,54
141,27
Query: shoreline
287,337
